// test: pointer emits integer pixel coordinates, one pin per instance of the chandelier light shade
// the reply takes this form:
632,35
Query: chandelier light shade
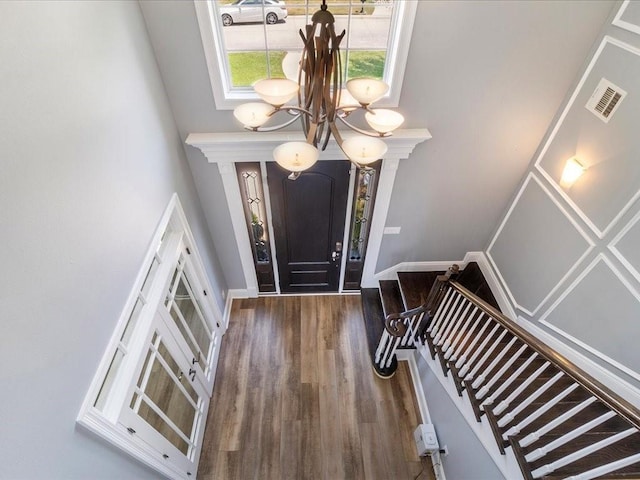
364,150
384,121
367,90
276,91
253,114
321,101
296,156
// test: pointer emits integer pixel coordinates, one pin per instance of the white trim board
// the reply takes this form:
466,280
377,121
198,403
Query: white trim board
618,22
565,294
480,258
225,149
604,376
607,40
507,464
618,254
409,356
590,243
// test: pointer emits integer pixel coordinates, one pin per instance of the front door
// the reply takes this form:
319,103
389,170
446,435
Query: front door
308,222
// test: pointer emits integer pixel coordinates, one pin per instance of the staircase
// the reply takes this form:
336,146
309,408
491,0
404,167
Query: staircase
558,421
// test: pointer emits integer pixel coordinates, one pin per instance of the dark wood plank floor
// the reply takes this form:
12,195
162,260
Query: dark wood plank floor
296,398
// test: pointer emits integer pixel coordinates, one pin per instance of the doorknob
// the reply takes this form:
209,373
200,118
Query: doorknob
335,255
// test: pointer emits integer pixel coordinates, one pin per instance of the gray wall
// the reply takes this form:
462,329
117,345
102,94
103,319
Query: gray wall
453,431
485,77
175,36
569,256
89,158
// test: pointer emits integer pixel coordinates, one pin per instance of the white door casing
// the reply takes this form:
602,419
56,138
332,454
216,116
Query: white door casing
225,149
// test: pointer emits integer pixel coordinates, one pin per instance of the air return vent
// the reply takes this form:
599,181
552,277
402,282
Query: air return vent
605,100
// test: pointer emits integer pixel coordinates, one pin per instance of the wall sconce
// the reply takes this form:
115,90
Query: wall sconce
572,171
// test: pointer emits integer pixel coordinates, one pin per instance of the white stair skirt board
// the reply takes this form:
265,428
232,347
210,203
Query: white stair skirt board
409,357
507,464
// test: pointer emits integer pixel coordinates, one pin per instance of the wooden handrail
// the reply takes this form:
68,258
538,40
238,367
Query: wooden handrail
394,322
611,399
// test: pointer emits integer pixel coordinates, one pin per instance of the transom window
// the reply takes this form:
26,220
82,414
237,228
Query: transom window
246,40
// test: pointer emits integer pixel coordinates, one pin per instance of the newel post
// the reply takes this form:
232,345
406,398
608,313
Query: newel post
408,328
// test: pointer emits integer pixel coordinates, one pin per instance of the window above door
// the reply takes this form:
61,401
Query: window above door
261,40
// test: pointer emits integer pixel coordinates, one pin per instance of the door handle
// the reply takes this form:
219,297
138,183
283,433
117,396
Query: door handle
335,255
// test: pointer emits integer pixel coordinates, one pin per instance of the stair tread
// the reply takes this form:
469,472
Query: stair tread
611,453
613,425
391,297
415,287
473,280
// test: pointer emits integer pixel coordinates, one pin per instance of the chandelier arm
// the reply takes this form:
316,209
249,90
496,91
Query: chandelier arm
292,108
363,132
275,127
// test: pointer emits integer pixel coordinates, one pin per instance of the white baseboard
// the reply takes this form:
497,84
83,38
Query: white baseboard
492,280
410,357
231,294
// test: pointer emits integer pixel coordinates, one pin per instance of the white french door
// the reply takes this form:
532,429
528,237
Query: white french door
197,337
167,405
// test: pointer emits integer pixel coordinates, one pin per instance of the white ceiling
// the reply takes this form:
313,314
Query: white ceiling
486,78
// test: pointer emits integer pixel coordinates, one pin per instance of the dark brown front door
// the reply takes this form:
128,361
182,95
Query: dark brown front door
308,221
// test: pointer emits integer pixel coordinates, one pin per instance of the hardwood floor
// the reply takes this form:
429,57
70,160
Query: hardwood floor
296,398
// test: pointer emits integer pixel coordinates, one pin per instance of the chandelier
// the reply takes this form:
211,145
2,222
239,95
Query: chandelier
321,102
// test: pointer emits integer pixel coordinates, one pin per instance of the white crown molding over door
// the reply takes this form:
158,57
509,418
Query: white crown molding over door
225,149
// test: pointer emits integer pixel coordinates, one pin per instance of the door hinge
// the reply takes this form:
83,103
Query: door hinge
131,430
205,292
188,251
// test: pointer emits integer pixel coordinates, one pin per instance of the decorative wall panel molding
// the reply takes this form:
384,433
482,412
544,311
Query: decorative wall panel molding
611,182
536,228
600,298
628,16
625,246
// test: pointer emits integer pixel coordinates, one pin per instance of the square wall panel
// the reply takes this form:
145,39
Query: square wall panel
610,150
536,247
600,299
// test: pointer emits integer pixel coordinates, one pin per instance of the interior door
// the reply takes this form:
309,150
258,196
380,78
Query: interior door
308,221
168,404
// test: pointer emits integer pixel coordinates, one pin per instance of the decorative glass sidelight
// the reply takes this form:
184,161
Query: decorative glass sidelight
364,197
250,182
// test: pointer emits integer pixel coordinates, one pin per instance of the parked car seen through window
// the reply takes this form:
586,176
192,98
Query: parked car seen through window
247,11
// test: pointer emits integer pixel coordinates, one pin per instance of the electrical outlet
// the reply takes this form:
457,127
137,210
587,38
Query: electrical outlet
426,440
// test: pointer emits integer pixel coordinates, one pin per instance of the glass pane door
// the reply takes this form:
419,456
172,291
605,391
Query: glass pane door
198,337
168,405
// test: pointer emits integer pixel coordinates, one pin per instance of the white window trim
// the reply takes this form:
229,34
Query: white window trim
226,99
105,424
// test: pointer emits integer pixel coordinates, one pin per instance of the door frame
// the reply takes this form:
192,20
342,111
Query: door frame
226,149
